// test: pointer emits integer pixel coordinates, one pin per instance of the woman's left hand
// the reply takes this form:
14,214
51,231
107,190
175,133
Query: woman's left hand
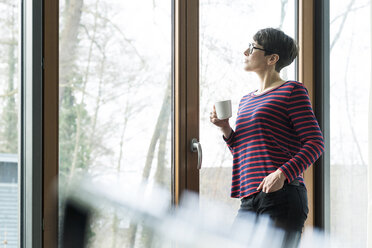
272,182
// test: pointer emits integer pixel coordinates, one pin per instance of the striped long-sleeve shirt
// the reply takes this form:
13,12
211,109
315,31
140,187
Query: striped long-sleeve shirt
274,130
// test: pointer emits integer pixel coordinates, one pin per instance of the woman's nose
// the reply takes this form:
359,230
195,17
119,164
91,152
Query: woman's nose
246,53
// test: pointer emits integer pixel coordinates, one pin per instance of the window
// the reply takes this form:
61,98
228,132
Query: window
9,128
349,98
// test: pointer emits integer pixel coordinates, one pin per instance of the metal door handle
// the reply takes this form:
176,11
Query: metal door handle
196,147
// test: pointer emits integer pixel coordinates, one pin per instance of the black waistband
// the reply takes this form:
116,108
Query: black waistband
294,182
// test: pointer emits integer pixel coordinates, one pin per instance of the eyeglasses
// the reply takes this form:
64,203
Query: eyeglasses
251,47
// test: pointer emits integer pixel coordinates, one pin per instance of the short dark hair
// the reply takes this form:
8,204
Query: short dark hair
275,41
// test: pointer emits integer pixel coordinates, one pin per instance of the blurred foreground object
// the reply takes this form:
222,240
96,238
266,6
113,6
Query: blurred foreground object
185,226
76,219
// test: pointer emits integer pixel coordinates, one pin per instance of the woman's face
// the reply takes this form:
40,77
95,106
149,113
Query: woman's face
255,59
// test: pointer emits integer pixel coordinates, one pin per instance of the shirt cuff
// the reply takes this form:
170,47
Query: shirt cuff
286,173
229,140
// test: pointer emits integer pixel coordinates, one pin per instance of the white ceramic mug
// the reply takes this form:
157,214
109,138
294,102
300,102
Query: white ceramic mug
223,109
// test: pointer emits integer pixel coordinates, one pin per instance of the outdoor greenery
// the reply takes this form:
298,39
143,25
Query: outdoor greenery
9,77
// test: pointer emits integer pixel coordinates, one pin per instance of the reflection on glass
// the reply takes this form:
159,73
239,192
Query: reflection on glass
9,107
349,86
226,29
115,91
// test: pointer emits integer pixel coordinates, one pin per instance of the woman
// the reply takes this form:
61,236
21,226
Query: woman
276,137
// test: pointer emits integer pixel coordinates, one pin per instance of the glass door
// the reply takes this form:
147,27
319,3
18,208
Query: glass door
115,103
226,28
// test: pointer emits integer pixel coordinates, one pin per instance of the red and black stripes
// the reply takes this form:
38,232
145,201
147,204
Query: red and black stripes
274,130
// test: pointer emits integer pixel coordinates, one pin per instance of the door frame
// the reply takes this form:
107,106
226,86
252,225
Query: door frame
186,91
186,95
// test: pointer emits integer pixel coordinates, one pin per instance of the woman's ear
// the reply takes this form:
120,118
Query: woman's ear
273,58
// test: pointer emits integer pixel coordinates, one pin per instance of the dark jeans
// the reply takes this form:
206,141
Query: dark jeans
287,208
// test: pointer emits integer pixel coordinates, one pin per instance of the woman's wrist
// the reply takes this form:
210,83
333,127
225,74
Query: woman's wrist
226,131
280,174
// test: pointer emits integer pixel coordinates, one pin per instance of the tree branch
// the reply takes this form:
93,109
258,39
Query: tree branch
347,106
349,10
282,16
345,15
123,35
10,93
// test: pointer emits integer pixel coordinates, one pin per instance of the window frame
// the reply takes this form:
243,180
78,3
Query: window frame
322,112
306,76
31,125
186,97
50,122
314,73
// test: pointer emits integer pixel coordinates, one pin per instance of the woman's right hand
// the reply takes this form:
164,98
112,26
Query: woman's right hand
222,124
219,123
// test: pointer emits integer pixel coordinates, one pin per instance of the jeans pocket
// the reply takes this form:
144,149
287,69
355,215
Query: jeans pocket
277,192
302,194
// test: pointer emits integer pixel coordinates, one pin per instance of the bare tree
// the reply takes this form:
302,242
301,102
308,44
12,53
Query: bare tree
159,138
9,135
160,127
347,105
340,28
82,101
282,12
350,9
69,42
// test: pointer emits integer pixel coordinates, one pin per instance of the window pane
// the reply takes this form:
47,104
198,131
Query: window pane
226,28
349,88
115,95
9,107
